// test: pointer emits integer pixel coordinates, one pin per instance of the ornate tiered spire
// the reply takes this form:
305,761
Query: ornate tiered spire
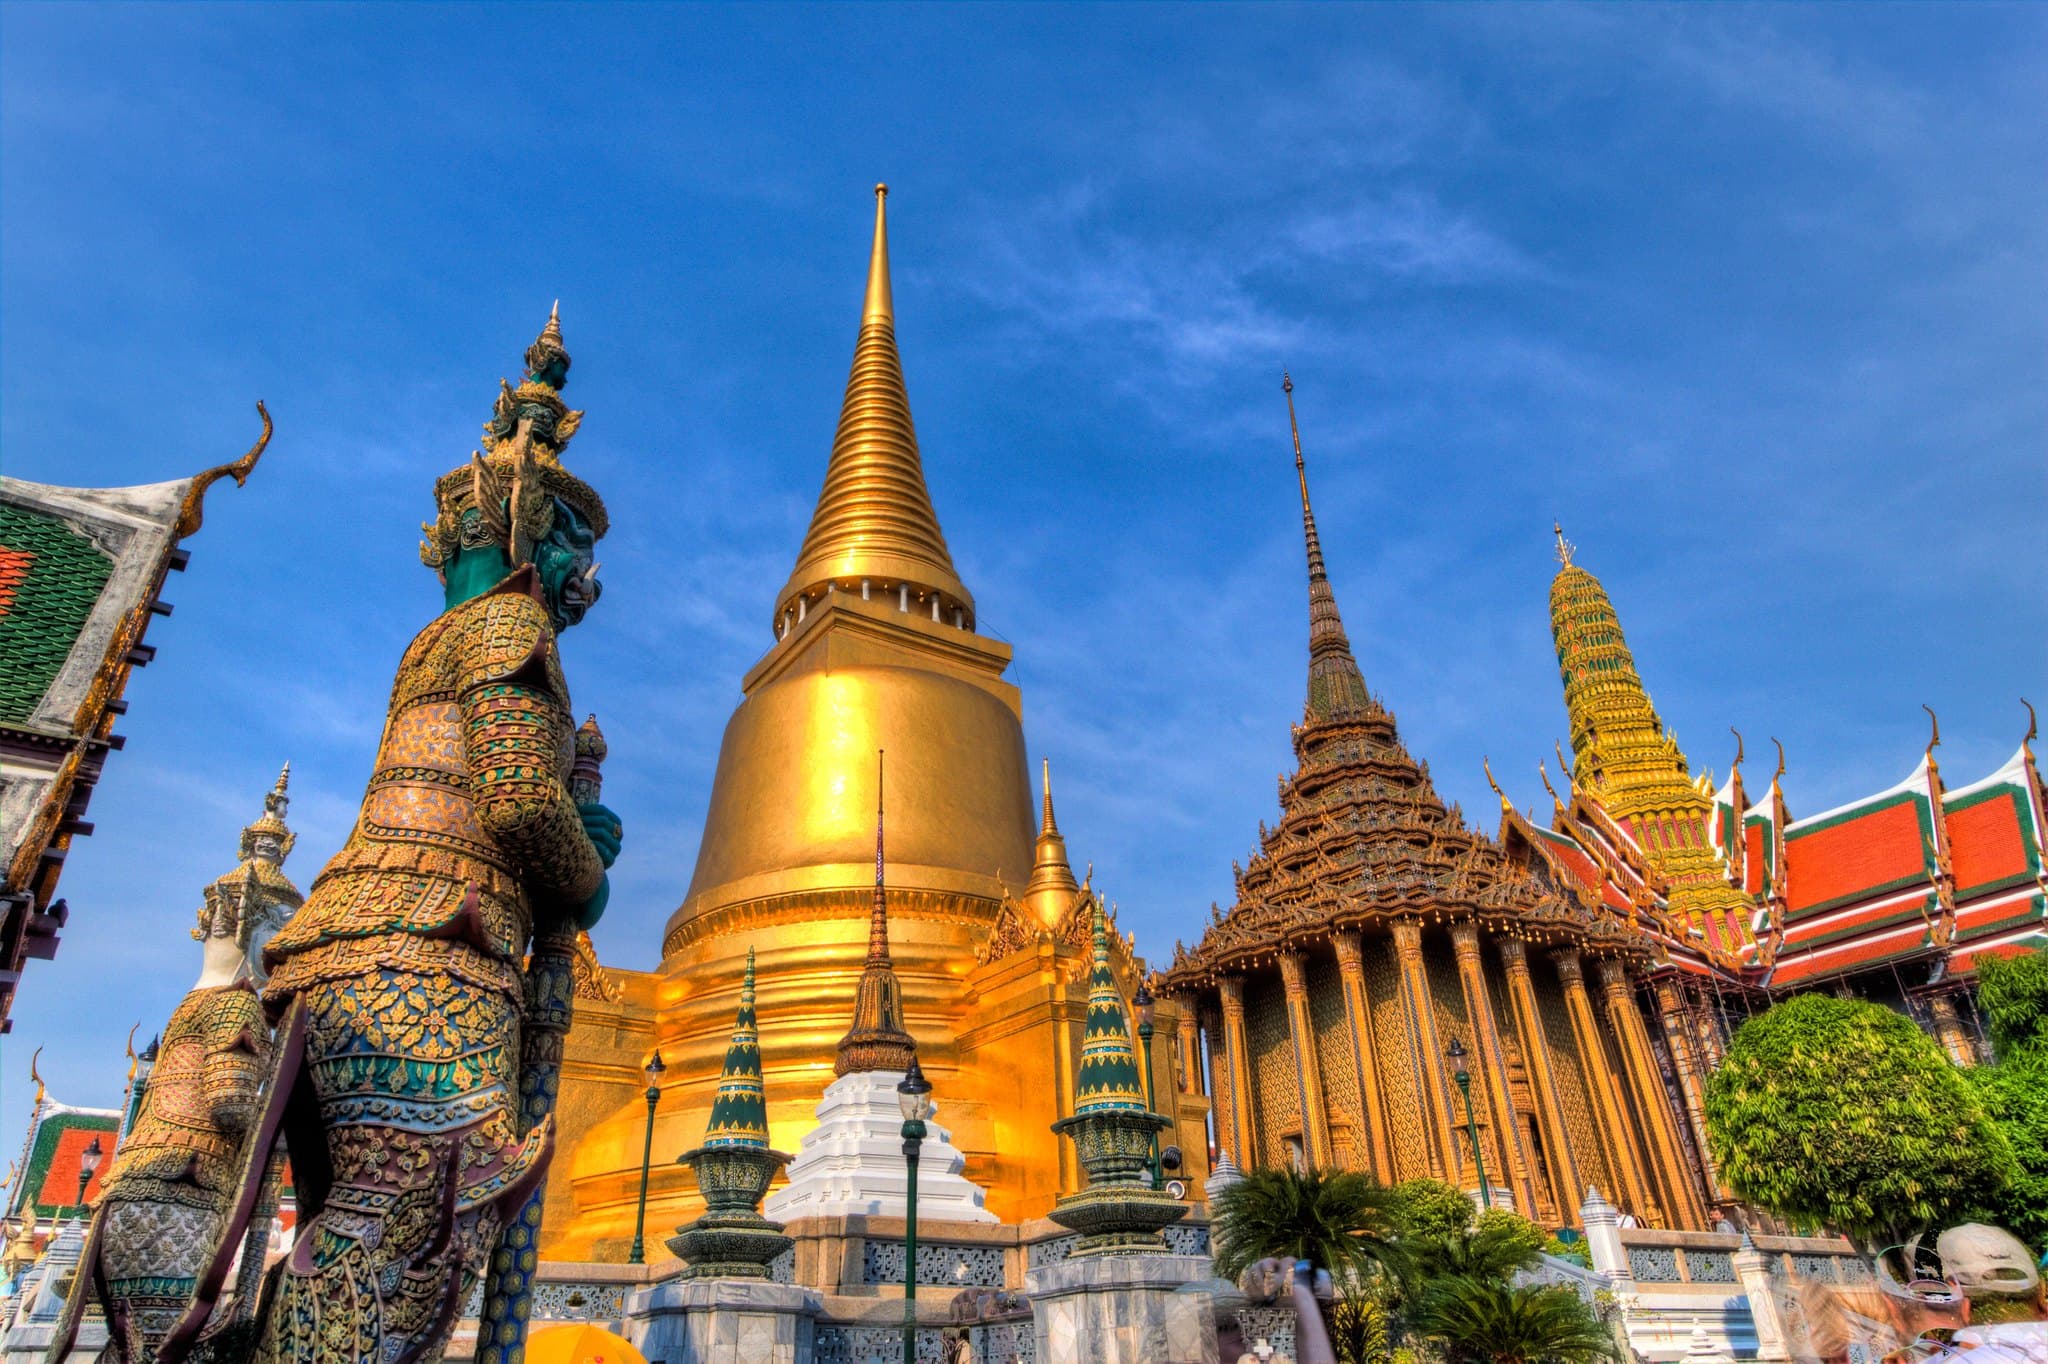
877,1041
1627,762
1109,1076
874,521
739,1110
1334,681
1362,832
1052,886
1620,750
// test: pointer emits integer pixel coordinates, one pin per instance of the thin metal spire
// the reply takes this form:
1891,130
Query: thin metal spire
878,914
1334,682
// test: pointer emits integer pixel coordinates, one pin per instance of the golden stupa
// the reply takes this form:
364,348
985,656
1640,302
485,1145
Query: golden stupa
875,648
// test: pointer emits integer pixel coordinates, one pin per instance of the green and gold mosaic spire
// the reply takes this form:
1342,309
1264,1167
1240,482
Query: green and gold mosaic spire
739,1111
1109,1077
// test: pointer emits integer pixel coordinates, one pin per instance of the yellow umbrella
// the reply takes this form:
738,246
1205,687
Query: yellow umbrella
579,1343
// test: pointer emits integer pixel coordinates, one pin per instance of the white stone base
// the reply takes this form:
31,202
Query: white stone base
1123,1309
851,1163
722,1321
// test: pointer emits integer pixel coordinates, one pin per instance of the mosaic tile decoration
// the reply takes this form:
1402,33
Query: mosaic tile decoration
1042,1253
1274,1325
578,1301
1710,1266
1004,1342
940,1265
873,1345
1653,1264
1819,1268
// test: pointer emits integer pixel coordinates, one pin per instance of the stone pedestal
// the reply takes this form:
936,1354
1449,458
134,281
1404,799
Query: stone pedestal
851,1163
722,1321
1122,1309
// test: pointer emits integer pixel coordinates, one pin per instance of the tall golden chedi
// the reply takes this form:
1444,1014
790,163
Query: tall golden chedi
1631,764
875,648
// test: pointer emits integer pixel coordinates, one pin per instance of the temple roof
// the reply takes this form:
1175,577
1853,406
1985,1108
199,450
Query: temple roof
1363,834
874,519
80,574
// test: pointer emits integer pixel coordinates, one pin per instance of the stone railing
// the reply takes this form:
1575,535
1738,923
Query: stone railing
1670,1287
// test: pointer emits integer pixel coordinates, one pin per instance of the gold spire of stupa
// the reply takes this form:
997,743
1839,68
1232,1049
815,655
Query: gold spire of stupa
1052,886
874,521
1620,748
877,1041
1624,757
1334,682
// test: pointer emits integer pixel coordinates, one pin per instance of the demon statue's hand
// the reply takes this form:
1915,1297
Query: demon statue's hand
605,833
593,908
603,829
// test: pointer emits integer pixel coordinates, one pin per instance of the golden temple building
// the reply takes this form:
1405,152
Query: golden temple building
1374,932
874,647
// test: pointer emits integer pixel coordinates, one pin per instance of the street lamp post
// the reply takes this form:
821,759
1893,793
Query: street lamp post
88,1161
1145,1005
914,1097
1464,1079
638,1254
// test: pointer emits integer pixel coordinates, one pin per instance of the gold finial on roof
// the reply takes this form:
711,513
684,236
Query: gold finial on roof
2033,727
1046,825
1506,808
1738,747
874,520
37,1076
1564,769
1781,761
1565,548
879,305
1052,886
1544,772
1935,741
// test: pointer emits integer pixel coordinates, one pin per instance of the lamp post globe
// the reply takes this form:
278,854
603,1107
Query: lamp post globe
1456,1054
655,1068
914,1098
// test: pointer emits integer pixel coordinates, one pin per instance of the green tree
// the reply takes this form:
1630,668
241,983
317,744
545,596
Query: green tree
1845,1114
2012,992
1489,1321
1337,1220
1497,1245
1429,1209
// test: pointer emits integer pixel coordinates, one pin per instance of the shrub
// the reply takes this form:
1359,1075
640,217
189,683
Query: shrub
1845,1114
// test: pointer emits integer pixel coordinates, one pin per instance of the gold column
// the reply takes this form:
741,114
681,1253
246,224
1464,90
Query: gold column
1955,1039
1358,1016
1675,1011
1308,1070
1189,1074
1492,1062
1682,1200
1239,1067
1602,1089
1565,1187
1425,1056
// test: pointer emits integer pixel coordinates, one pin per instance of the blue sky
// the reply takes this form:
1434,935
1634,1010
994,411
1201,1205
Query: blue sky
1751,298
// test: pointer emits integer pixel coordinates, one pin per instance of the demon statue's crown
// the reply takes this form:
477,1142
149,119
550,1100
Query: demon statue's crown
505,496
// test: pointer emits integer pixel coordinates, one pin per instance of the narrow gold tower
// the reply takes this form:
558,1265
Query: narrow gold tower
1624,757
